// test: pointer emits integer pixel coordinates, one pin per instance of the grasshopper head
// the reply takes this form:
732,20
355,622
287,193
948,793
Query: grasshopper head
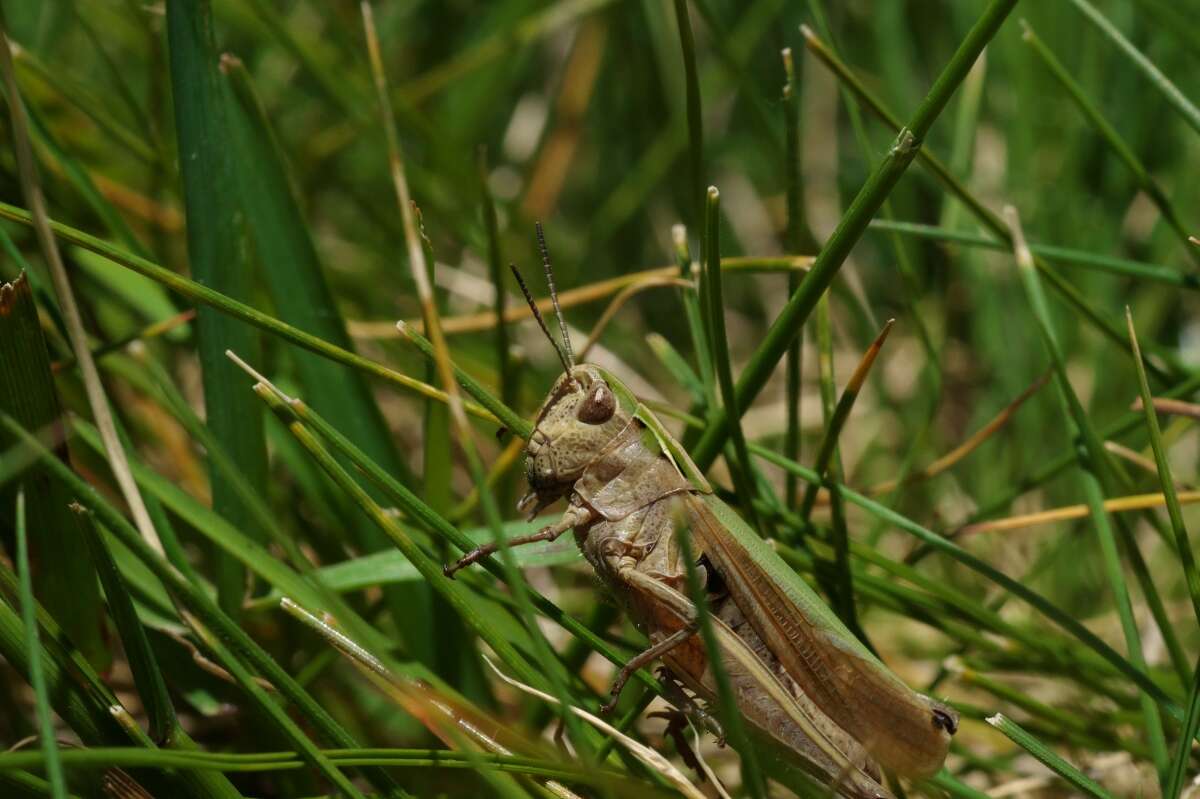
580,416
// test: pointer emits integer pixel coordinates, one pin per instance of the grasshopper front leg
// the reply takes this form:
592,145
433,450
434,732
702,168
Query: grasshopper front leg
574,516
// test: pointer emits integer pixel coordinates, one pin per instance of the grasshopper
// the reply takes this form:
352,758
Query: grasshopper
812,695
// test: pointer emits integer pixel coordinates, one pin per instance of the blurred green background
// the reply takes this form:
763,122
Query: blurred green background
574,113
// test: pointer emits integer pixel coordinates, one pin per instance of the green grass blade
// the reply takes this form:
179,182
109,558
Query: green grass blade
80,697
1095,475
453,592
245,679
693,308
65,585
267,762
299,292
1182,545
852,225
86,703
1177,776
1060,617
207,613
37,678
837,582
1111,137
695,123
731,717
217,257
416,509
506,489
1176,773
83,183
1039,750
985,215
437,475
837,414
714,317
515,424
295,276
23,785
73,92
151,687
239,310
1059,255
229,539
799,240
678,367
1170,91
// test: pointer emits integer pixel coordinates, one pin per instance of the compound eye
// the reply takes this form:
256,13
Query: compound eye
945,720
598,406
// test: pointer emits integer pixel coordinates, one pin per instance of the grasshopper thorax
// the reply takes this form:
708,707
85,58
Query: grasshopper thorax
580,416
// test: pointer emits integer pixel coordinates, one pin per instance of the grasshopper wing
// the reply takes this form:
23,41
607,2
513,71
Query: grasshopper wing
786,727
906,732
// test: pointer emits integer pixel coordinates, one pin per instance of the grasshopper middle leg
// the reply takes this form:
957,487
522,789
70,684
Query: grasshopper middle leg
653,653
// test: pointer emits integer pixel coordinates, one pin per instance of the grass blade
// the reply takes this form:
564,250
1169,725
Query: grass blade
1174,96
852,225
731,717
37,678
1171,364
301,296
714,317
40,221
695,123
838,584
1177,776
1095,476
239,310
296,277
799,240
506,488
1163,464
151,687
66,585
217,257
1059,255
1177,770
1033,746
1110,135
208,613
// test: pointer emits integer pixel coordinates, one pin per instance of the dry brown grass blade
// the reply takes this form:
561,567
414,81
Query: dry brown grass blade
1068,512
1172,407
642,752
412,237
575,93
594,292
618,302
1139,460
97,399
967,447
457,724
511,453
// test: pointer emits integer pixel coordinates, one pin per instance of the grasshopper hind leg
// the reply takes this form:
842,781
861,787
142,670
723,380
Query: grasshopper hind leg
676,694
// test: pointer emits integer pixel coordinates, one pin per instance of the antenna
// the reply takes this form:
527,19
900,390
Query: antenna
562,327
562,356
